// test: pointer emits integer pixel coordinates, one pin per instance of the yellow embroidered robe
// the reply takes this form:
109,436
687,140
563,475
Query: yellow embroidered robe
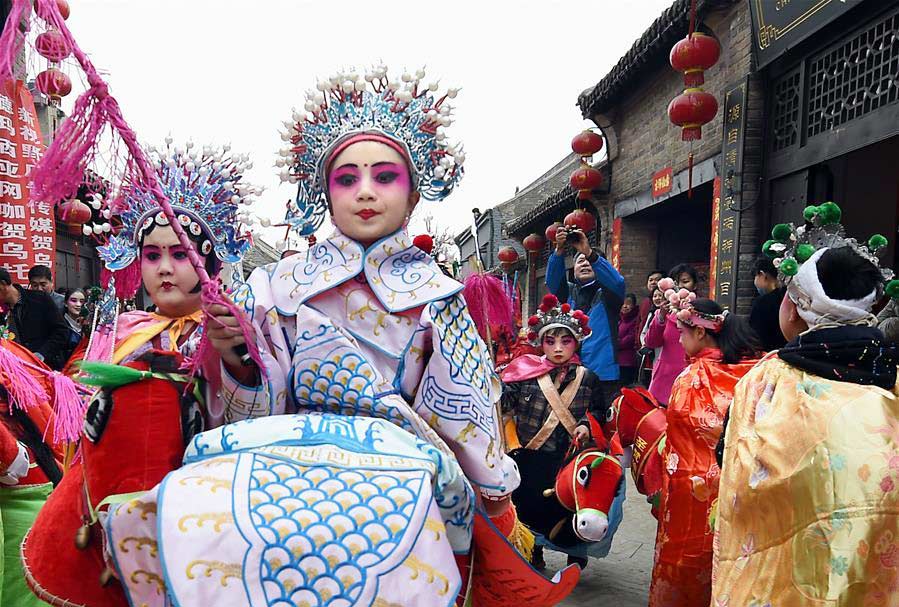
808,509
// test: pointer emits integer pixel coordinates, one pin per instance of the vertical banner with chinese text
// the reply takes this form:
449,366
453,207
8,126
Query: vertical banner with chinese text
716,215
616,243
27,232
730,196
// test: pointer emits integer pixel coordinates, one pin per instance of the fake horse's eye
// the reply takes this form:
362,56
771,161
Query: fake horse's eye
583,475
610,414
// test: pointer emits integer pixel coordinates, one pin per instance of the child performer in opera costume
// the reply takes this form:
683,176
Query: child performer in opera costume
721,349
203,188
807,510
545,404
365,496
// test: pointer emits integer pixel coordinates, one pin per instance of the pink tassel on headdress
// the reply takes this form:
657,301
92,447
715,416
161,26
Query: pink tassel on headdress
68,410
127,281
488,303
23,389
95,117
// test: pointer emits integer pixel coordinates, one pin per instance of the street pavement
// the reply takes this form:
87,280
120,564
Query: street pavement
622,578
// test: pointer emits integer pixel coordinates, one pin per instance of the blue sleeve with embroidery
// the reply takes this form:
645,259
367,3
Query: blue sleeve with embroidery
458,393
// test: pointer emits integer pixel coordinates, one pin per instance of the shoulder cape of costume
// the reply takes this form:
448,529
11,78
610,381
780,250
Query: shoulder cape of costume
530,366
133,329
401,275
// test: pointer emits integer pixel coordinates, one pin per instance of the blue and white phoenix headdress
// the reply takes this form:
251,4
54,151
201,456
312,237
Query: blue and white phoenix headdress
206,188
404,109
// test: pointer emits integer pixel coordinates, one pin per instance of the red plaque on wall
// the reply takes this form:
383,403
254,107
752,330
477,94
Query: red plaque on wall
662,182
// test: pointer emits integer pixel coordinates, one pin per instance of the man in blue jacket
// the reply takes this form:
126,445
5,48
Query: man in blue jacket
598,290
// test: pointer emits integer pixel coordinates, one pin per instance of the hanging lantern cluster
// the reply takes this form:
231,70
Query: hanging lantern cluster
694,107
52,46
585,178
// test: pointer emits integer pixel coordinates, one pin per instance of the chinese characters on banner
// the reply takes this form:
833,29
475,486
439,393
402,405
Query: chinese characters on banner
27,232
716,216
730,197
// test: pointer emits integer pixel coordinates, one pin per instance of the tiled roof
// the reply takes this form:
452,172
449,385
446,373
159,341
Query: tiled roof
649,52
260,254
550,206
532,196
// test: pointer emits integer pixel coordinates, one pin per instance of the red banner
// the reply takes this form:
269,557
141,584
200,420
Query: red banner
27,231
716,216
616,243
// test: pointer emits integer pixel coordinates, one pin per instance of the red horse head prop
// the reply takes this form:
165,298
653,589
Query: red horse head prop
587,484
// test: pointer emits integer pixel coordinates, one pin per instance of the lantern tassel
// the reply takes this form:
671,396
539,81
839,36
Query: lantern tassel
690,174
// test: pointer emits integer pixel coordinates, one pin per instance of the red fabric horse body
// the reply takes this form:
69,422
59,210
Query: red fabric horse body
640,421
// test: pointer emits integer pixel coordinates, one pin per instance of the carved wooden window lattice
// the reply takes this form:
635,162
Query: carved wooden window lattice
787,104
853,79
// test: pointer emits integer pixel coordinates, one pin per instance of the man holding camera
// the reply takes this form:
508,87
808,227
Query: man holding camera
596,288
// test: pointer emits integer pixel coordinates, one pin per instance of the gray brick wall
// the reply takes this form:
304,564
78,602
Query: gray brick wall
647,142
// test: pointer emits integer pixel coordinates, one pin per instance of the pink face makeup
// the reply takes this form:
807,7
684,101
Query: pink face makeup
559,349
385,178
167,273
153,255
370,190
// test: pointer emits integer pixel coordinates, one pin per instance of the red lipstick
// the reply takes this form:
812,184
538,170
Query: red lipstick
367,214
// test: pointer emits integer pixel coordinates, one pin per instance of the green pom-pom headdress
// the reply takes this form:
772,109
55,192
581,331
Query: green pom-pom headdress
791,246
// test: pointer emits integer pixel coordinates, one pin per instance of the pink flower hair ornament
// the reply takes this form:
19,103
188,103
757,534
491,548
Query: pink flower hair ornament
681,301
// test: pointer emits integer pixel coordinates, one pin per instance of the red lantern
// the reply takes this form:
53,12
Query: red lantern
53,83
550,232
586,143
52,46
424,242
507,255
61,5
581,219
534,243
693,55
692,109
73,214
585,179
